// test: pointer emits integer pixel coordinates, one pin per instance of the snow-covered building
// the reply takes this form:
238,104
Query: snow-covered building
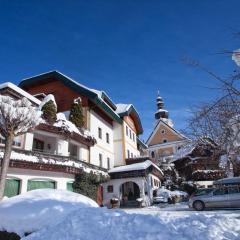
199,162
164,140
44,157
133,183
48,157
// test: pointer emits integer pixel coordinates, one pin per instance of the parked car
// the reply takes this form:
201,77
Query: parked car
160,199
226,194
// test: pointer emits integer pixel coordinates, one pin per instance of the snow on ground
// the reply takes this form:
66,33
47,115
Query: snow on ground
103,224
64,215
39,208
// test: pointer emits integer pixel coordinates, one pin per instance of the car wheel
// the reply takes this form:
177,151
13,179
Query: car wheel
198,205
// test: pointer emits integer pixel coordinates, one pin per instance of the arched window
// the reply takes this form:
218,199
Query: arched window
153,154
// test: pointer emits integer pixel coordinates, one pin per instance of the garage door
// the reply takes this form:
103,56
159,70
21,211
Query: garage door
38,184
70,186
12,187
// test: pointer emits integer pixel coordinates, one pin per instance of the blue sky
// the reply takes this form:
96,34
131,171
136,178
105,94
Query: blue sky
129,48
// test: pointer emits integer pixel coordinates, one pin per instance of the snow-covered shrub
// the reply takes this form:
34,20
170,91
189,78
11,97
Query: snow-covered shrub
76,113
49,112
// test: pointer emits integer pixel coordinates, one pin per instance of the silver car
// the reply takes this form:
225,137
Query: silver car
223,196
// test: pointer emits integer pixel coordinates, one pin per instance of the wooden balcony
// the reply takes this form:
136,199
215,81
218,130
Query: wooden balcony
49,162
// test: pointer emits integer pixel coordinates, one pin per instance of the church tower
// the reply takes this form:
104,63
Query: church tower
161,112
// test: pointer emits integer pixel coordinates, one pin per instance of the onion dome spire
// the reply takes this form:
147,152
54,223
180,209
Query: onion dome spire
161,112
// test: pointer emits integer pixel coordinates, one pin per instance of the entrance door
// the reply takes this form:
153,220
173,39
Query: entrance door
130,191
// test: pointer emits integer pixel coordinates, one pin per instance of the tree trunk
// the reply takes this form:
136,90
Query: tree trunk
5,163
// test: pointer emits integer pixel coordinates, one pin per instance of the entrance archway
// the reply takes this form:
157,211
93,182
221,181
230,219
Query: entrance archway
130,192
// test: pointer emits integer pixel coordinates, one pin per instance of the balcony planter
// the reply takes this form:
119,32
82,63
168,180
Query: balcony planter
114,202
140,202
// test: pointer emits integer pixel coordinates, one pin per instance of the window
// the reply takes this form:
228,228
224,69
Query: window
100,133
127,130
110,188
130,133
38,145
108,163
131,155
220,191
152,154
133,137
233,189
128,153
2,140
17,141
162,131
100,159
164,140
107,137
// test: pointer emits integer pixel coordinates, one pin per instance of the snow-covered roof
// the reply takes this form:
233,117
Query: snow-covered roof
183,152
127,109
20,91
134,167
99,97
121,107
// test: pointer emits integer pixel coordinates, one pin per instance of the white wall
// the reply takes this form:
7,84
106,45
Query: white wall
28,141
116,183
106,149
24,175
118,145
129,143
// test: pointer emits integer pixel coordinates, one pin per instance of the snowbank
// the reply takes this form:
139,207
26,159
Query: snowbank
102,224
41,208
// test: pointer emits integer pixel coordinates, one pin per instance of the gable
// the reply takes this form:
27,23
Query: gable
73,88
130,123
64,96
162,132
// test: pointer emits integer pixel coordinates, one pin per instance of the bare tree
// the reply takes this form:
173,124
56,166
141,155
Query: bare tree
16,118
220,119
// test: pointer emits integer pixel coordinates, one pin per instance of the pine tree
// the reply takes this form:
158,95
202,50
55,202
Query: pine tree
76,113
49,112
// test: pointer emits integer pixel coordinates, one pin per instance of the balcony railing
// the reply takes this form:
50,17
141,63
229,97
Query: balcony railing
58,159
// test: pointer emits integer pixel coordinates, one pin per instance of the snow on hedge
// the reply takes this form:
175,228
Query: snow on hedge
41,208
103,224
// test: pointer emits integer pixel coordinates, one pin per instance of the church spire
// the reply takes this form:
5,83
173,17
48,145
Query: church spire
161,112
